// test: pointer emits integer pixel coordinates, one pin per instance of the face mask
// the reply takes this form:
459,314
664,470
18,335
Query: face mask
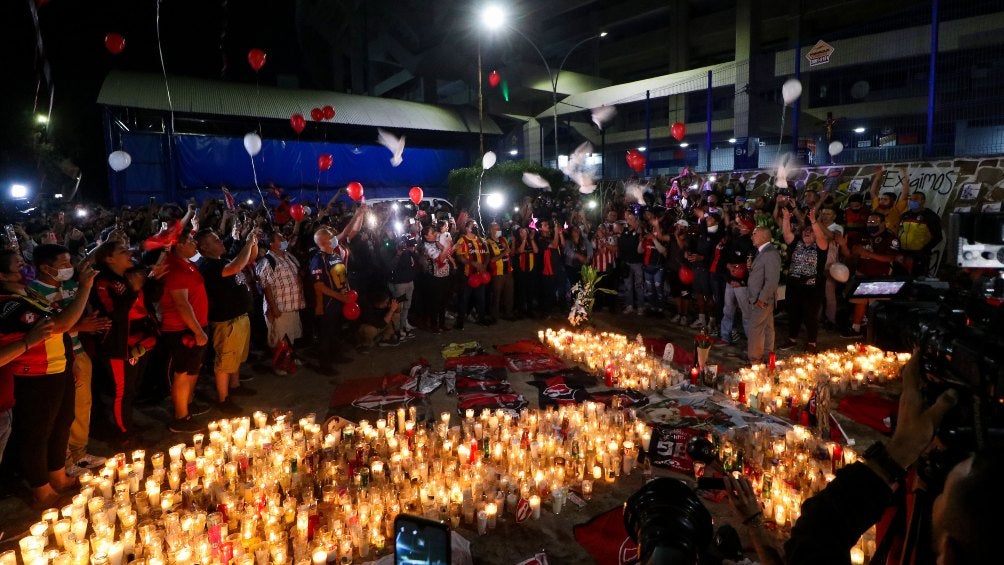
874,230
728,192
498,234
913,205
283,245
63,275
713,229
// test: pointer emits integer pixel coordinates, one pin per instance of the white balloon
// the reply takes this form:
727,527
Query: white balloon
119,160
840,272
252,144
488,161
306,210
791,90
835,148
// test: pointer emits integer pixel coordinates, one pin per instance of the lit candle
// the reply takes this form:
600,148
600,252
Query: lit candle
597,472
535,506
492,510
857,556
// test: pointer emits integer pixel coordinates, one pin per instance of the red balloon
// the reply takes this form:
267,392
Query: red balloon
635,160
353,296
325,161
486,277
678,130
355,191
494,78
256,58
416,194
351,310
316,114
41,3
328,112
296,212
686,275
474,281
114,43
297,122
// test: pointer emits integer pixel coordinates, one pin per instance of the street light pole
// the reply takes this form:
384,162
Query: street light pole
553,77
481,105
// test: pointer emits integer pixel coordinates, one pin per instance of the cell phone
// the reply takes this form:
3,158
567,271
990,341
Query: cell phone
419,540
711,483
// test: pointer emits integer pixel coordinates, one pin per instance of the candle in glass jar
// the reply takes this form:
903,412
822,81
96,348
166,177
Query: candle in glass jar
857,556
492,510
535,506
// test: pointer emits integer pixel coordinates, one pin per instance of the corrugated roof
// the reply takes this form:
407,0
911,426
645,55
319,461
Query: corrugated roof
658,87
202,96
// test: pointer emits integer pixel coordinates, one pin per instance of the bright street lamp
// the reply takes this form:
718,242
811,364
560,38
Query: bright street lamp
493,17
494,200
41,119
859,130
18,191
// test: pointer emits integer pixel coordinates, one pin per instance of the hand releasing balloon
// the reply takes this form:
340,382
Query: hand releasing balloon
835,148
252,144
416,195
256,58
679,131
791,90
488,161
325,161
328,113
494,78
114,43
297,122
351,310
296,212
316,114
355,191
119,160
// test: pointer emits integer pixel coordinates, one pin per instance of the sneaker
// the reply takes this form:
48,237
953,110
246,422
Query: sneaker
675,319
73,470
698,323
734,336
246,377
243,391
392,342
811,348
196,408
186,425
640,311
229,407
851,333
89,461
629,309
788,345
278,372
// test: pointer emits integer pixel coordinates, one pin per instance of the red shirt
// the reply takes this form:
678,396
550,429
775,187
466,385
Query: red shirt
183,275
884,243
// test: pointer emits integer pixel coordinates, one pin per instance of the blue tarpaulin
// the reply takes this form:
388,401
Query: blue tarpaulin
202,164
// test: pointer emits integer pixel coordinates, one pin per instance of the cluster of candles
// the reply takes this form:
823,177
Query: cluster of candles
253,492
626,363
774,388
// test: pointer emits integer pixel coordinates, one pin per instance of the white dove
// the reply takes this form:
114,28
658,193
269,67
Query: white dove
603,114
533,180
578,171
393,143
634,190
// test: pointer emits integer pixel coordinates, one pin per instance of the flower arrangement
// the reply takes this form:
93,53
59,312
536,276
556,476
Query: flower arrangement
703,341
584,295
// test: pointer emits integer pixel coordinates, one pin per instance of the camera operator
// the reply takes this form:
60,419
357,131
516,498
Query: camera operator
964,523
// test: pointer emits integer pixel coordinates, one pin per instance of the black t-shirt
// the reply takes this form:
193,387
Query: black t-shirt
229,297
627,247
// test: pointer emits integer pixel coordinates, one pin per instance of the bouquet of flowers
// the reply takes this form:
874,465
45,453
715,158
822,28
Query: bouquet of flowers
703,341
584,295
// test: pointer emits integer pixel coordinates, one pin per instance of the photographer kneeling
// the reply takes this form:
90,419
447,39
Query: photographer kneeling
963,525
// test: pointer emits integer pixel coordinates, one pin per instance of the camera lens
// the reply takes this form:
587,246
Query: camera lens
668,522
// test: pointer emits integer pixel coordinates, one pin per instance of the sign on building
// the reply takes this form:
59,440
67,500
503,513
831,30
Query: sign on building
819,54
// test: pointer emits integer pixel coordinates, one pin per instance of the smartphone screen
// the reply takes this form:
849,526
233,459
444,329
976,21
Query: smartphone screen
418,540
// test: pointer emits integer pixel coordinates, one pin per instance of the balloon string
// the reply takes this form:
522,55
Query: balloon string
254,173
163,68
780,141
223,40
481,179
46,69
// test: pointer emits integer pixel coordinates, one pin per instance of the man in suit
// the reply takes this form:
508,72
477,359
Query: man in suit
765,273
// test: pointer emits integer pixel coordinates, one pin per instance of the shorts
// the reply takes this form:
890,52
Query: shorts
702,281
286,325
180,357
232,342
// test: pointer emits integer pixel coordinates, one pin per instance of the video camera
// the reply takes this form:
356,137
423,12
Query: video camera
960,334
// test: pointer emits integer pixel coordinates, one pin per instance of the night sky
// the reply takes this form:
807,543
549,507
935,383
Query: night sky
73,34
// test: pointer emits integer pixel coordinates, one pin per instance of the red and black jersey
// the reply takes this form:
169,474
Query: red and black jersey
115,298
18,313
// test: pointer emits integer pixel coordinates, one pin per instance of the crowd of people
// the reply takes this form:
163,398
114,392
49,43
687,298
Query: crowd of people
93,294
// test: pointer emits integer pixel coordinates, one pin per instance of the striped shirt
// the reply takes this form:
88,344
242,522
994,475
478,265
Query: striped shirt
62,296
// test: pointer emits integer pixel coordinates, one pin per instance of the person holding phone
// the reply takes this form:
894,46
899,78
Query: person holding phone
42,377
